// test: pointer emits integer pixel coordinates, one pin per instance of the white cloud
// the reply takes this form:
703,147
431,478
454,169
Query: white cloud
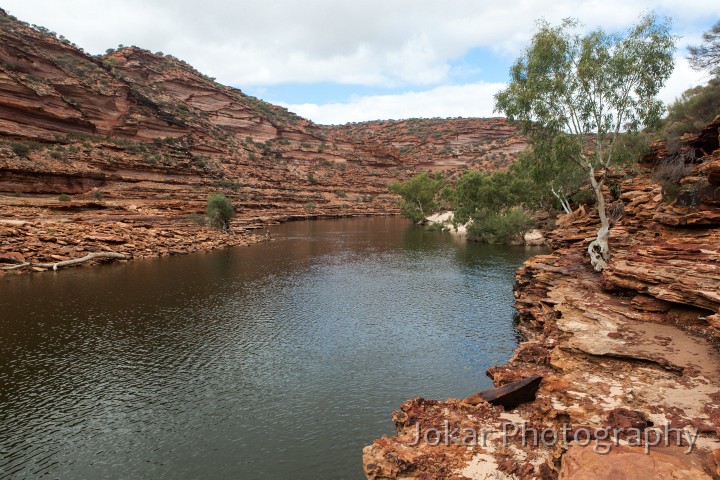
404,44
682,78
471,100
373,42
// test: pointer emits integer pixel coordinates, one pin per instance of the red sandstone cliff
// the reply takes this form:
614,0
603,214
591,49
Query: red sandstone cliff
137,140
637,346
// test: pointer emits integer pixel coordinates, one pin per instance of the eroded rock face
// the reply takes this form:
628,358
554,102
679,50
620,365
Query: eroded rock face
136,138
636,348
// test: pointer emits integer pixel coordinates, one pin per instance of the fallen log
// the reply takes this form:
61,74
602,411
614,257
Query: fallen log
67,263
510,395
15,267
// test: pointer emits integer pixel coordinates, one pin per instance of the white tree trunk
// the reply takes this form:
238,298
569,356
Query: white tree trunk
563,201
599,249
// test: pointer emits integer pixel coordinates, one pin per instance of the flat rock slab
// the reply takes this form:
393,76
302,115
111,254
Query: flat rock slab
630,463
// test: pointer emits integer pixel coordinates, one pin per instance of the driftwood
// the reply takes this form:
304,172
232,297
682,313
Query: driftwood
67,263
510,395
15,267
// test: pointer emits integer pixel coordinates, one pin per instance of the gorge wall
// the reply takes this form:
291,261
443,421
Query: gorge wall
136,140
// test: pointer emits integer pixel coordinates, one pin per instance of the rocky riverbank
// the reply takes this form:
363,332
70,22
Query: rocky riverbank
633,352
41,234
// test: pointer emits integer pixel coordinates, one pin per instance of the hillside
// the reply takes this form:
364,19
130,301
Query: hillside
130,141
443,144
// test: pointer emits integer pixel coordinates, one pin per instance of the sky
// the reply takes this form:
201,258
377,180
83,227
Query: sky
337,61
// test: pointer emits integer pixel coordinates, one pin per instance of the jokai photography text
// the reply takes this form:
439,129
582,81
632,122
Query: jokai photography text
602,439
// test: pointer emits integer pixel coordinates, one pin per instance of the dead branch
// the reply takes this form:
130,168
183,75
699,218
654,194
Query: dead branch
67,263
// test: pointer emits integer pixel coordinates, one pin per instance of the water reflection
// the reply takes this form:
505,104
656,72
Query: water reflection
276,361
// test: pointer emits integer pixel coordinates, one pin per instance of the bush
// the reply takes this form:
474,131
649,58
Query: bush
505,227
198,219
694,109
20,149
64,198
219,211
418,195
670,190
670,170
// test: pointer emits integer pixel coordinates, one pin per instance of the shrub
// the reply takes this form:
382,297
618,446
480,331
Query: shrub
670,190
64,198
219,211
198,219
670,170
20,149
694,109
504,227
310,206
418,195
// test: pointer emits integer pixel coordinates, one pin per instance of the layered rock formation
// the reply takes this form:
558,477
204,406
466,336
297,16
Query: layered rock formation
443,144
636,347
137,139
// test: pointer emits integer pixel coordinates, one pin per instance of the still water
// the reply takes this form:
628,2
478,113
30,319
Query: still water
280,360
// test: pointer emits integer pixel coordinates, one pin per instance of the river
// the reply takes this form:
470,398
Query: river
279,360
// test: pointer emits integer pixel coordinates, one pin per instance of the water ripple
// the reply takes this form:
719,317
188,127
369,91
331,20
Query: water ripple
261,362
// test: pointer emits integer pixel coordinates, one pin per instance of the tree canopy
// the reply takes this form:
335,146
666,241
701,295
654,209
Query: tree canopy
576,94
707,55
419,195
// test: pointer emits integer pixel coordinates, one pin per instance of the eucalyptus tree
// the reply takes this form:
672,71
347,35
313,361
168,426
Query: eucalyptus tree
707,55
583,92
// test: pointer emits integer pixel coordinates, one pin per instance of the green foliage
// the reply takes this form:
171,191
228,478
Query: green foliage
587,90
24,149
419,195
479,193
596,84
575,94
507,226
20,149
219,211
310,206
694,109
198,219
670,190
63,198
